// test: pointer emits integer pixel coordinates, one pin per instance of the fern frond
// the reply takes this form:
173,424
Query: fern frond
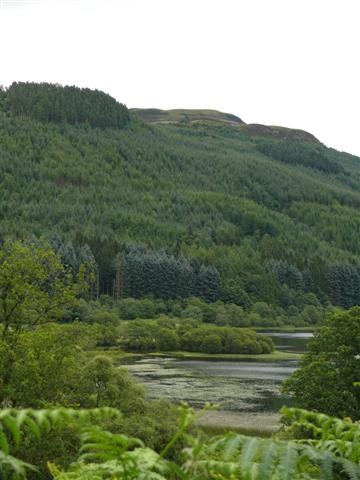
12,423
288,460
101,445
248,452
17,467
340,437
267,460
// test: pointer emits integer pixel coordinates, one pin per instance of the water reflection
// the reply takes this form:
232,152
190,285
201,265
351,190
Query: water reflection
290,342
275,371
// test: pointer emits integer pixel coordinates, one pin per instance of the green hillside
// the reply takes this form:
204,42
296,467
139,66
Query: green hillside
181,203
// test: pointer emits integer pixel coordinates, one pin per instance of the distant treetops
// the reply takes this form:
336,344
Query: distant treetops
48,102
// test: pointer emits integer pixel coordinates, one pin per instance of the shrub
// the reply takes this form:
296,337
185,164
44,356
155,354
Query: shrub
211,344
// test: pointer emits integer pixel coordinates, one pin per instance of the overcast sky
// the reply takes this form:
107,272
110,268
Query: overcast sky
293,63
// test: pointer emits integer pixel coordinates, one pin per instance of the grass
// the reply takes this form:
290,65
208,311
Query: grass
285,329
213,430
265,357
276,355
154,115
117,353
260,424
113,352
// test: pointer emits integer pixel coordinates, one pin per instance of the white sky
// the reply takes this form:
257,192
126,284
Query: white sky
278,62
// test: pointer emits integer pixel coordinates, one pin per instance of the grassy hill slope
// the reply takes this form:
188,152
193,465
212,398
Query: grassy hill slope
154,115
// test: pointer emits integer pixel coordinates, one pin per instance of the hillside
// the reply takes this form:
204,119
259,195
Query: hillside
154,115
189,202
188,116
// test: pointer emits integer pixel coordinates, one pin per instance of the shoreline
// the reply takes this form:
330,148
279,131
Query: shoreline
276,355
261,424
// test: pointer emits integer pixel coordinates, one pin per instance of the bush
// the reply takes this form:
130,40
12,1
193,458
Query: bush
167,340
211,344
329,370
131,308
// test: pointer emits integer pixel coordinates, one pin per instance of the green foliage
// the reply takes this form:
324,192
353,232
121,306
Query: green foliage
343,284
326,378
192,336
105,455
211,343
167,340
140,336
13,422
51,366
107,385
53,103
130,308
298,153
59,445
299,310
27,368
34,287
340,437
237,456
164,276
263,232
285,273
199,197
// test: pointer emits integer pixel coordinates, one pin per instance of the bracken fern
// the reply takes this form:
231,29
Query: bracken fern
331,454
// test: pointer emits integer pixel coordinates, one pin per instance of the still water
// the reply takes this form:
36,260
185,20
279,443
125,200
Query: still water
238,387
290,342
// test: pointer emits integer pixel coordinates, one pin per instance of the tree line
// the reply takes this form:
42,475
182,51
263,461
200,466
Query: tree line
298,153
166,335
53,103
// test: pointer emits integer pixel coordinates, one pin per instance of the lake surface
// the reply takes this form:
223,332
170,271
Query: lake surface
243,390
290,342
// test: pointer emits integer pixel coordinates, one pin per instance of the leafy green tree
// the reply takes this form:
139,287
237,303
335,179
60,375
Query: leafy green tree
211,344
107,385
34,287
232,340
79,382
166,322
30,379
167,339
312,315
139,336
131,308
325,380
192,311
154,425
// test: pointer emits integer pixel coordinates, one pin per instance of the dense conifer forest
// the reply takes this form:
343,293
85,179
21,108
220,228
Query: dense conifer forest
171,206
